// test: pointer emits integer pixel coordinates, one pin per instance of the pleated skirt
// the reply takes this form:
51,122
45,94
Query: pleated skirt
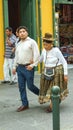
46,85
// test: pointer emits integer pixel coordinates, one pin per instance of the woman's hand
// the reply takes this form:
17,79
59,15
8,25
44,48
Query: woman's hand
66,78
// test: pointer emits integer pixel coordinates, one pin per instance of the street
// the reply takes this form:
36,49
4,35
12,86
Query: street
35,118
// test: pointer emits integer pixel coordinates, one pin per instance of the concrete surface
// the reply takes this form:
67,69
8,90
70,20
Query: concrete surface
34,118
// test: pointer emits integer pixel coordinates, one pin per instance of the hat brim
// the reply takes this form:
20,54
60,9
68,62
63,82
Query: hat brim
49,40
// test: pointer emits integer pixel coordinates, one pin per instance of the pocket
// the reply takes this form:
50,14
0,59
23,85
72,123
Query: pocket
49,73
16,68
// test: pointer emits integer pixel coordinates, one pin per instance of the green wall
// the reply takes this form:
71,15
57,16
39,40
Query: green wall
28,16
64,1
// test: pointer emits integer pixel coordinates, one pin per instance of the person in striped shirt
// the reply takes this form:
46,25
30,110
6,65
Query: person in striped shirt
9,57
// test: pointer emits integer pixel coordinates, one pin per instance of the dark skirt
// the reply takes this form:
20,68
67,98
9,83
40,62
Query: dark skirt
46,85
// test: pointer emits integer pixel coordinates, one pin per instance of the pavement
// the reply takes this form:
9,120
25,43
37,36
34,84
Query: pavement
35,118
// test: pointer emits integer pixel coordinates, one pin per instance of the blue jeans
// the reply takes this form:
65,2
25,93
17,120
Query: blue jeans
24,76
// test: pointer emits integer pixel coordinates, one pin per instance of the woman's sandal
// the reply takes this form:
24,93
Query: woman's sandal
49,109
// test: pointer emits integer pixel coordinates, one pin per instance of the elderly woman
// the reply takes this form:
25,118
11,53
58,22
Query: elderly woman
54,72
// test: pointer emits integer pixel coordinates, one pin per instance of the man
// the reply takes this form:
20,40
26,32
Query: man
26,58
8,57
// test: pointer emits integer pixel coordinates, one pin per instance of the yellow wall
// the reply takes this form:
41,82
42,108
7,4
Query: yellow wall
1,40
46,16
46,21
46,26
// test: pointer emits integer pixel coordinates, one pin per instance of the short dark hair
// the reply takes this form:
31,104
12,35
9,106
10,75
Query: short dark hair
22,27
9,28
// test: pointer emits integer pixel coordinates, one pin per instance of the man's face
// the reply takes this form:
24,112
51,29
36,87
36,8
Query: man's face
23,34
8,33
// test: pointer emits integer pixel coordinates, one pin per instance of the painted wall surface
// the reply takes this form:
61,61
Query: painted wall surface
64,1
1,40
46,16
44,23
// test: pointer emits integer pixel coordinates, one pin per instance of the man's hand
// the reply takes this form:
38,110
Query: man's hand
14,71
29,67
8,41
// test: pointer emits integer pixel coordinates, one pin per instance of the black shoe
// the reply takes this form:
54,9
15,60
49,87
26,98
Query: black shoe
12,83
49,110
4,82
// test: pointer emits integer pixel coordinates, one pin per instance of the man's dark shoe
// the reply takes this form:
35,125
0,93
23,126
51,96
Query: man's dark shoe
22,108
4,82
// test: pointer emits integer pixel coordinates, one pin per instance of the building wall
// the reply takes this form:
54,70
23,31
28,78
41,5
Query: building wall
1,40
46,16
44,23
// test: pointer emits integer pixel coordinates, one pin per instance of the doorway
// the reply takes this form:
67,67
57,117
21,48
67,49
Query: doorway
21,12
14,13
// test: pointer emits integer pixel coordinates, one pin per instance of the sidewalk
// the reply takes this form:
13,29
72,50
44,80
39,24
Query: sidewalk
34,118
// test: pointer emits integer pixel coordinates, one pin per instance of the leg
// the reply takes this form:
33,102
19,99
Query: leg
13,77
30,82
6,70
22,86
49,109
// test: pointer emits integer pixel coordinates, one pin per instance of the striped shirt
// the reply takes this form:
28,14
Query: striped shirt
8,49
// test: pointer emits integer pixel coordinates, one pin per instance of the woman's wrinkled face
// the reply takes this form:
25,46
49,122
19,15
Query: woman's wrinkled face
47,46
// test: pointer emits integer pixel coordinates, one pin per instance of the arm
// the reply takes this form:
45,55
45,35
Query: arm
11,40
41,57
64,63
36,56
15,62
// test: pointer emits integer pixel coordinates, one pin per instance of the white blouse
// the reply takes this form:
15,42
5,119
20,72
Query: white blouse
54,58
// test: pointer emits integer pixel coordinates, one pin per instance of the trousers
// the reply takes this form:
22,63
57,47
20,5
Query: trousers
26,76
7,68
